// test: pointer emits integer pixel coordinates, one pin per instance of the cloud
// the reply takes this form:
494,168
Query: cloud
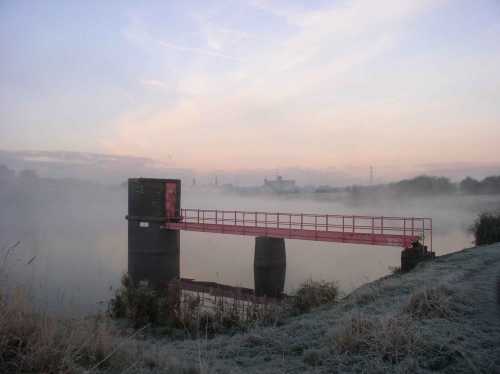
202,51
153,83
324,93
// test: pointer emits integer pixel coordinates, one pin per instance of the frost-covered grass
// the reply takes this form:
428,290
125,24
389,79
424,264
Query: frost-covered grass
435,302
442,317
391,339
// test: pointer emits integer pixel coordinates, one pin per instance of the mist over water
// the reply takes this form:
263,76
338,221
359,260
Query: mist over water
73,240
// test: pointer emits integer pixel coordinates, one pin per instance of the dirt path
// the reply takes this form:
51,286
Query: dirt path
441,317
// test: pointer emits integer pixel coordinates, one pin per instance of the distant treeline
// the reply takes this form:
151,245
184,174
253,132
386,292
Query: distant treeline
489,185
425,185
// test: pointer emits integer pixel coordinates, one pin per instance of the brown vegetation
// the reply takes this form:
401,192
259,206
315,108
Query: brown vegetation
33,342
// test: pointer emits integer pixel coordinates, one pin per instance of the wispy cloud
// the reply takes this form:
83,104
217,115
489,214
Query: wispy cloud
317,95
202,51
153,83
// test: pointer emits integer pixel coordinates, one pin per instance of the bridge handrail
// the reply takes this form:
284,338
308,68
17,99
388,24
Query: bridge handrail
407,227
304,214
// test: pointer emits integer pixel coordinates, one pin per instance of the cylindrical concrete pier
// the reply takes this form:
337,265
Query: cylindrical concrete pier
153,252
269,266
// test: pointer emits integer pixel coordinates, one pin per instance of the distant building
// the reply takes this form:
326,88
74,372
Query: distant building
280,185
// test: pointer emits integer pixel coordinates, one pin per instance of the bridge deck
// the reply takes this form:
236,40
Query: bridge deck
373,230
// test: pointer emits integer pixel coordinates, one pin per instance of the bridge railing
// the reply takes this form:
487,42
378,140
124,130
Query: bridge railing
410,227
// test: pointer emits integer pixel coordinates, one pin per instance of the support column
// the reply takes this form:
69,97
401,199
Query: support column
153,252
269,266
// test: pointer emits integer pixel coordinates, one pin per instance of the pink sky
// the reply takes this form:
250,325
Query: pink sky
259,84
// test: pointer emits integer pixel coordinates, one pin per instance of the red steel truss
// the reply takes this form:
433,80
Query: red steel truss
374,230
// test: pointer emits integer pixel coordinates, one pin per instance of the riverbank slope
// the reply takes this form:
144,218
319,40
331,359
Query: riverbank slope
443,316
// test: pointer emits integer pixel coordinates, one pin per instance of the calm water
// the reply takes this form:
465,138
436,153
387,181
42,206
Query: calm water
80,244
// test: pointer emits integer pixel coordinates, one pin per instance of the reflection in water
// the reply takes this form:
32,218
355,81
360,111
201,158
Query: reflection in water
80,244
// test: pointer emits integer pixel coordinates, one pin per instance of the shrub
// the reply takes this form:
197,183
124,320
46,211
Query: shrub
486,228
395,269
312,294
140,303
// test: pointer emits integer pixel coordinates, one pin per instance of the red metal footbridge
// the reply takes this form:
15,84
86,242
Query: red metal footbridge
154,252
355,229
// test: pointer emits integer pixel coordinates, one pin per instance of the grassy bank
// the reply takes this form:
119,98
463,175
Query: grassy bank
440,317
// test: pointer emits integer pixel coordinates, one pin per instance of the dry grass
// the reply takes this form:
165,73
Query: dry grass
390,339
36,343
397,338
430,303
32,342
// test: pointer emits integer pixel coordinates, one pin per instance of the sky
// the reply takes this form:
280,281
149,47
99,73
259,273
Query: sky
254,84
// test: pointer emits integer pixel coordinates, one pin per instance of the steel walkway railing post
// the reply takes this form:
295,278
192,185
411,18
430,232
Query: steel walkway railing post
431,234
404,230
373,229
315,227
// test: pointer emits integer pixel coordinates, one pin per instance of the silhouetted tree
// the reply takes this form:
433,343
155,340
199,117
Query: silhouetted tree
423,185
469,185
489,185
